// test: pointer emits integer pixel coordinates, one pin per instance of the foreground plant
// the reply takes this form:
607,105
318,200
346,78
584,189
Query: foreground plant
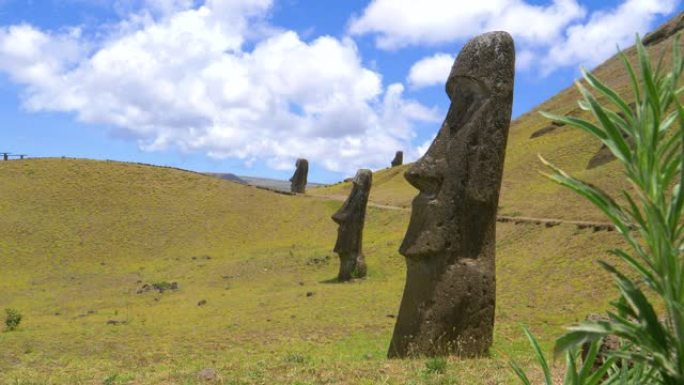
648,141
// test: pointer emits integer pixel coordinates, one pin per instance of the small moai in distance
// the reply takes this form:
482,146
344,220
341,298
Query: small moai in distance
298,180
449,298
398,159
350,218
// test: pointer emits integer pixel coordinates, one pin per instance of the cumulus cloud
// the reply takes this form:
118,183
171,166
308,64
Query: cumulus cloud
560,33
592,42
180,77
400,23
431,70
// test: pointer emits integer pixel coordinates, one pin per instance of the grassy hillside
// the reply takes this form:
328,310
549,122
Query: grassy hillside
79,240
524,191
83,244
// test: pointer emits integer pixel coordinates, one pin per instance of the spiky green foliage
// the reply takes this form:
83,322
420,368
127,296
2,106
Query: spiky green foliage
584,373
647,141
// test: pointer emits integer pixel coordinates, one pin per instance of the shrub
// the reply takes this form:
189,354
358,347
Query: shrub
295,358
163,286
12,319
649,143
436,365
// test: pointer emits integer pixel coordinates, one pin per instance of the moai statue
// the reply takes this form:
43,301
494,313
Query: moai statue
449,297
298,180
351,217
398,159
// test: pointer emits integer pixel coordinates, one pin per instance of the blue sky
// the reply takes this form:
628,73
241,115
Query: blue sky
248,86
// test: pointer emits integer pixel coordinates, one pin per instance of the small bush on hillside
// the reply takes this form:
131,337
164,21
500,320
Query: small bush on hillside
436,365
163,286
295,358
12,319
649,143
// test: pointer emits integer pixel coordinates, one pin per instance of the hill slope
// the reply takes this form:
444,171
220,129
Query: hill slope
90,252
80,239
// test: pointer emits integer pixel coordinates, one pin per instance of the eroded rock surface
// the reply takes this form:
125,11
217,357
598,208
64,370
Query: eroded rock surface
608,345
449,297
298,180
666,30
398,159
350,218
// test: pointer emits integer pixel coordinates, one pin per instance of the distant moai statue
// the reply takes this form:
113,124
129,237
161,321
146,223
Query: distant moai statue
398,159
449,298
298,180
351,217
5,155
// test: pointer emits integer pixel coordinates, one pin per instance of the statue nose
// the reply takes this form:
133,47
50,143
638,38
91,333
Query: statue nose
424,180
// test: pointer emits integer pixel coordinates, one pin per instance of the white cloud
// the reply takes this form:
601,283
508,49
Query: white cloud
560,33
181,78
166,7
430,71
593,42
423,148
400,23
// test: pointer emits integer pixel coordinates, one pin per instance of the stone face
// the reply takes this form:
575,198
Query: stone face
350,218
398,159
298,180
449,297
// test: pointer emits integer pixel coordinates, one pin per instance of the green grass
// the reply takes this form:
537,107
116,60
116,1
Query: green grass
79,239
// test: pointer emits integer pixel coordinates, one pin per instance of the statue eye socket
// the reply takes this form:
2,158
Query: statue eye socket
467,96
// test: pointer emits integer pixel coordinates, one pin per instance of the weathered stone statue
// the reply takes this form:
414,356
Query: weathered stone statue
351,217
398,159
449,297
298,180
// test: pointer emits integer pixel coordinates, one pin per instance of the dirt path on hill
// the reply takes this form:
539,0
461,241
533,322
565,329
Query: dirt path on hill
546,222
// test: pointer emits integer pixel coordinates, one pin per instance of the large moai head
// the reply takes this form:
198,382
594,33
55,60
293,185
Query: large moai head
449,297
350,218
398,159
298,180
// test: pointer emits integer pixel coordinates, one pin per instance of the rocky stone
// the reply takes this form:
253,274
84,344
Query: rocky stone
298,180
608,344
398,159
350,218
666,30
602,156
161,287
314,261
543,131
208,375
449,298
